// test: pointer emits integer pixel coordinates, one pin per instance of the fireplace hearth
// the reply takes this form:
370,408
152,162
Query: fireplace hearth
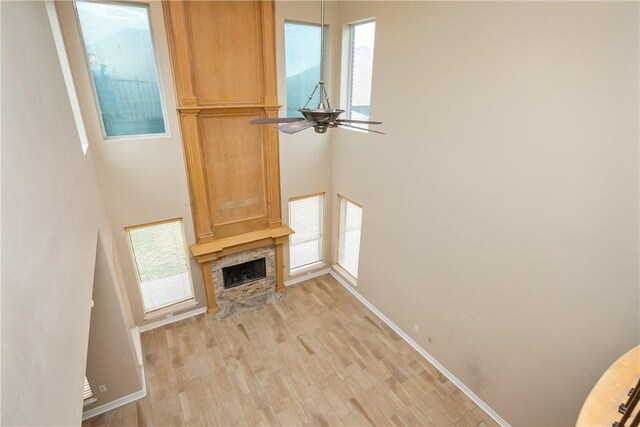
237,275
244,280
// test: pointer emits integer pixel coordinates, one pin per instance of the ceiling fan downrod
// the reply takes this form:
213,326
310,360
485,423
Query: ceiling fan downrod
323,116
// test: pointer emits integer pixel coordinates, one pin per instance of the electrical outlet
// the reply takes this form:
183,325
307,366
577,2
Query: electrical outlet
430,340
416,327
102,388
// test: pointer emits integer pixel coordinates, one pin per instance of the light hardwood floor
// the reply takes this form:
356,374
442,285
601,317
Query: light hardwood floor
318,357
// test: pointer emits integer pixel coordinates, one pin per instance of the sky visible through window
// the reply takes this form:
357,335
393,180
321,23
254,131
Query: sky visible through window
121,59
302,65
361,70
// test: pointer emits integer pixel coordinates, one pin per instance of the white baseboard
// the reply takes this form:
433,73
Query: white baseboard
493,414
171,319
125,399
306,276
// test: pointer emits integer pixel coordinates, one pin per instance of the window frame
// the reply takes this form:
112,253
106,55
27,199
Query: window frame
326,56
87,69
353,279
303,268
178,305
348,63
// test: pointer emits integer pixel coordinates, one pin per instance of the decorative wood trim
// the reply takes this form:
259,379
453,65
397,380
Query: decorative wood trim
245,247
197,177
351,201
232,109
273,172
306,196
209,287
204,251
269,53
240,227
279,268
149,224
180,52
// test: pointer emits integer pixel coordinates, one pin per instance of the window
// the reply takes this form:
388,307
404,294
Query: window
88,394
160,258
302,65
361,43
119,50
305,217
349,236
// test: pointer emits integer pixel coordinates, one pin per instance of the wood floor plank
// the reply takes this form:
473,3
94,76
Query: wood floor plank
318,357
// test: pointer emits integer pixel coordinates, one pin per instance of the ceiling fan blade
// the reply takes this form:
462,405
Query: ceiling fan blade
276,120
364,129
295,126
364,122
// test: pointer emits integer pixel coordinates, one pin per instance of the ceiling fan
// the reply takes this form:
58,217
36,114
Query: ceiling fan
323,116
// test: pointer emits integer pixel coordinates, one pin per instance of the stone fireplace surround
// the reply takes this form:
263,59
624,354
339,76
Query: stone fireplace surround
248,295
219,252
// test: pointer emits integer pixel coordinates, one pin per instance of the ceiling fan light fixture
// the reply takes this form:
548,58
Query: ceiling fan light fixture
323,116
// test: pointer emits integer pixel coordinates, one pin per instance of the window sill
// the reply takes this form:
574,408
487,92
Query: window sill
306,268
89,401
170,309
345,275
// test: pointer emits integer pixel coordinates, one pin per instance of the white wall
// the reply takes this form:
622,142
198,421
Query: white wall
142,179
501,208
51,216
111,358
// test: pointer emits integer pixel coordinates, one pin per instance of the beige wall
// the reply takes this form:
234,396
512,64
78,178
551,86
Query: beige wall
50,221
142,179
501,208
306,157
111,358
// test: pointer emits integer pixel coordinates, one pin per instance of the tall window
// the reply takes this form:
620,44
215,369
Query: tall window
305,217
119,48
362,36
349,235
302,65
161,262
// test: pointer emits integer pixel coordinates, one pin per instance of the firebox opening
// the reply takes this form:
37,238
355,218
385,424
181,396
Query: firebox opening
240,274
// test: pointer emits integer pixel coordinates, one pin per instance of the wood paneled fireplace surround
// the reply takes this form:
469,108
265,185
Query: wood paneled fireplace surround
224,68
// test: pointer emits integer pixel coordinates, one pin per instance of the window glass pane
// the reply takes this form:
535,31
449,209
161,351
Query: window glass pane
305,218
160,257
120,54
302,65
361,70
349,236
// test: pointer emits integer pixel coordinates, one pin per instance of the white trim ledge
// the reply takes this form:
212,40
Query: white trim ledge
306,276
118,402
170,309
481,404
344,275
171,319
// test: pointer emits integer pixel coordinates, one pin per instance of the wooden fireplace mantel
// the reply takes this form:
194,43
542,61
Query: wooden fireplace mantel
205,252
